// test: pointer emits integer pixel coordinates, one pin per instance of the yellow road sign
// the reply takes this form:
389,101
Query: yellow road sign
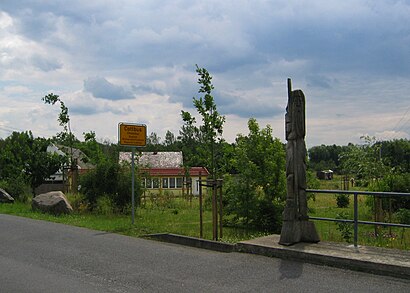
130,134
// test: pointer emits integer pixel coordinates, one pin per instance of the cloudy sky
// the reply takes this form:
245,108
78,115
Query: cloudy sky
134,61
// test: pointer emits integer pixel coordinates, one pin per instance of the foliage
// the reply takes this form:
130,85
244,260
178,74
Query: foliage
17,188
403,216
199,142
25,159
91,148
396,154
364,162
66,136
342,200
111,180
256,194
325,157
344,228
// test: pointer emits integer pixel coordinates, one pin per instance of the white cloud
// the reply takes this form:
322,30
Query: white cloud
135,60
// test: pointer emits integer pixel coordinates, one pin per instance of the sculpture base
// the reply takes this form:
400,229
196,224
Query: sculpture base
298,231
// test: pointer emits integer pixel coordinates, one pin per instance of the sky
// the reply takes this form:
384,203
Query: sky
134,61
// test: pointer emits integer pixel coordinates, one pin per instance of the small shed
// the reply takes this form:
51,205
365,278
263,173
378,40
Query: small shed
325,174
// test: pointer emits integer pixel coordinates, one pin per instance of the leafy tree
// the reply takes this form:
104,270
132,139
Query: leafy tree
256,194
325,157
25,158
201,140
91,148
364,162
63,117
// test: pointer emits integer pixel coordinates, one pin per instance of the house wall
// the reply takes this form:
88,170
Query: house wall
159,185
47,187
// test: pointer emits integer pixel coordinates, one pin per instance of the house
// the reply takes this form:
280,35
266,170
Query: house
65,179
325,174
164,172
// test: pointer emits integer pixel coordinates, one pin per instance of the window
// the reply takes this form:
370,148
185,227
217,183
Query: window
179,182
155,183
149,183
164,182
171,182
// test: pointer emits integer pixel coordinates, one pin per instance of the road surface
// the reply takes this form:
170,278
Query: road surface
38,256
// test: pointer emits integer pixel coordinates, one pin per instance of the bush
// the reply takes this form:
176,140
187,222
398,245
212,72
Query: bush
78,202
104,205
268,216
17,188
344,228
111,180
342,200
403,216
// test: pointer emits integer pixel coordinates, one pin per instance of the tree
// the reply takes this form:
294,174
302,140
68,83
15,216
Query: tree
365,162
63,117
325,157
212,122
256,194
25,158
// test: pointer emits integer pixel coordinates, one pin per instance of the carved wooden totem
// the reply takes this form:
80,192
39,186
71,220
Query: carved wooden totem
296,226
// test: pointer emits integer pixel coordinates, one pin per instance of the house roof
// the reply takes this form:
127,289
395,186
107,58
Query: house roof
162,164
82,159
155,159
162,172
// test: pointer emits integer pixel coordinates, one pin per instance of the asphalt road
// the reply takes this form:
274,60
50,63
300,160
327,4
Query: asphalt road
37,256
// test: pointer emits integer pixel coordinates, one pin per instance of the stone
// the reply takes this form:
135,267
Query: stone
5,197
53,202
296,226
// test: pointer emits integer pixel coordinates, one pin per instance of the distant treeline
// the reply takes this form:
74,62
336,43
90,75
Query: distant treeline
395,154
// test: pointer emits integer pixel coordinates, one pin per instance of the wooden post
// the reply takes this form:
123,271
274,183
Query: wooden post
214,212
200,207
220,210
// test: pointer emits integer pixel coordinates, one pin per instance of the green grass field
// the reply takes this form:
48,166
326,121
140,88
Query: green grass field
180,216
325,206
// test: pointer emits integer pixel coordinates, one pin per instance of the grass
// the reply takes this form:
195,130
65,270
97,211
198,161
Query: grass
325,206
180,218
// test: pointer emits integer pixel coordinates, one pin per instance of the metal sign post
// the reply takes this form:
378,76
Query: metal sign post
132,135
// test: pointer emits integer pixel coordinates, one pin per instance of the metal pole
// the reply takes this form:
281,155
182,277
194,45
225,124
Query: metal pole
133,184
355,219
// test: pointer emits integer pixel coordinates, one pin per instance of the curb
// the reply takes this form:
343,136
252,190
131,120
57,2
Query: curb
288,253
192,241
327,260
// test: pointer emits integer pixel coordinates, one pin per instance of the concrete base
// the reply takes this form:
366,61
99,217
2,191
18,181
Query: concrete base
298,231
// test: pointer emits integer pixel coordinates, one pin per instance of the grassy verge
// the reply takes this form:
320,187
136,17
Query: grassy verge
182,218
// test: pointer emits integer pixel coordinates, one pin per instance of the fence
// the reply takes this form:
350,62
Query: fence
356,220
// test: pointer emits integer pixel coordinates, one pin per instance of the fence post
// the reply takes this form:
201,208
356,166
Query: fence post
355,218
201,233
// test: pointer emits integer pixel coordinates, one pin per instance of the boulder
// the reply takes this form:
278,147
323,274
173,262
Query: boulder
53,202
5,197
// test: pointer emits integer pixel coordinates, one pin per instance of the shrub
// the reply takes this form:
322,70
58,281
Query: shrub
17,188
104,205
111,180
403,216
342,200
344,228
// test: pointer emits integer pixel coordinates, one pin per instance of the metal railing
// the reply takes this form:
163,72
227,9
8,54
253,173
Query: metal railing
356,220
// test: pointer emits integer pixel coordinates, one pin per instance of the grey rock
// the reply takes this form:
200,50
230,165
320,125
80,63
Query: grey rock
53,202
5,197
